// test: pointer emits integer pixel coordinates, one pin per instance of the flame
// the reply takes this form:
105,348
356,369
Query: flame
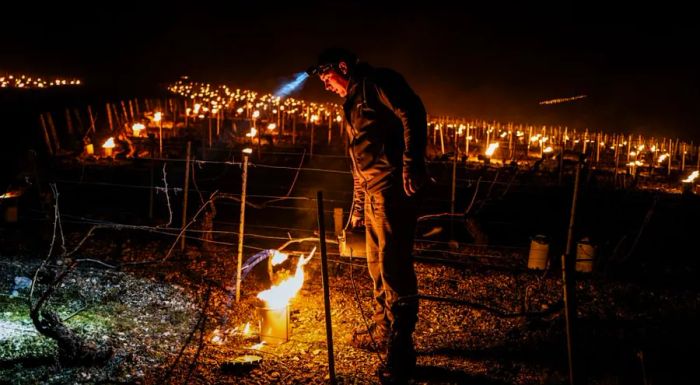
216,337
662,157
10,194
246,329
548,149
492,148
278,257
109,143
253,132
271,126
136,128
257,346
278,296
256,114
157,117
691,177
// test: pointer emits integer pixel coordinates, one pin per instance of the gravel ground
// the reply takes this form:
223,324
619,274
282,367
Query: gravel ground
178,321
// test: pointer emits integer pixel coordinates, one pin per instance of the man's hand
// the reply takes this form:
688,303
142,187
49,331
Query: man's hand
357,220
412,182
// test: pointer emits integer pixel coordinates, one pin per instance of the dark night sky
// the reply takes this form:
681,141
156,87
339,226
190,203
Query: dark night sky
637,65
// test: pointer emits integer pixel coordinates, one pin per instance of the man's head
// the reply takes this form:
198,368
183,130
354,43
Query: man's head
334,67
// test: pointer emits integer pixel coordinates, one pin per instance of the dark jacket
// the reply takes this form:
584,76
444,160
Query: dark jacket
387,130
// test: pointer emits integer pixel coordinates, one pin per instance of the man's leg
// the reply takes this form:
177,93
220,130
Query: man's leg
394,221
373,233
376,337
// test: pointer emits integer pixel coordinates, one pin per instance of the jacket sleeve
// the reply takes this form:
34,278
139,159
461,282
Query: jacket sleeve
398,97
358,196
358,193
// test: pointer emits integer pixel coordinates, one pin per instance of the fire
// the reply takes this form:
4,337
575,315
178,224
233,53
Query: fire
109,143
216,337
246,329
278,296
662,158
271,126
691,178
548,150
137,127
253,132
10,194
278,257
257,346
492,148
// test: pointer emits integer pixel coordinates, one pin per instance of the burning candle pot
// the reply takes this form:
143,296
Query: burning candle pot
274,315
108,147
689,182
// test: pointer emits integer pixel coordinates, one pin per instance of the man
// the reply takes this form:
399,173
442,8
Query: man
387,131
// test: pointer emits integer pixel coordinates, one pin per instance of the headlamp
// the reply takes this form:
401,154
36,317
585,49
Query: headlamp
319,69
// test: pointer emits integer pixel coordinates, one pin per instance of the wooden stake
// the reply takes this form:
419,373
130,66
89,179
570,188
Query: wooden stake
311,144
126,116
47,140
326,289
80,127
109,117
54,134
683,157
241,227
568,281
186,192
69,123
670,155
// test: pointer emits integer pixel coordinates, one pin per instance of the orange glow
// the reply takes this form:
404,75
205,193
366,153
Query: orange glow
492,148
278,257
691,178
10,194
246,329
278,296
109,143
136,128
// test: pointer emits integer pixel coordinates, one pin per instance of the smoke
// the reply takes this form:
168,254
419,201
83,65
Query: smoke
292,85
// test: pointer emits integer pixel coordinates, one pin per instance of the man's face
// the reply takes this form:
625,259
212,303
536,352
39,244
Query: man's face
335,82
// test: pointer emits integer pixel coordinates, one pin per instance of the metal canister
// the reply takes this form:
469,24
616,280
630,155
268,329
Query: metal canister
539,253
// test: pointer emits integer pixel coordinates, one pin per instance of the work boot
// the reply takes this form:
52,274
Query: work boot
373,339
400,363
